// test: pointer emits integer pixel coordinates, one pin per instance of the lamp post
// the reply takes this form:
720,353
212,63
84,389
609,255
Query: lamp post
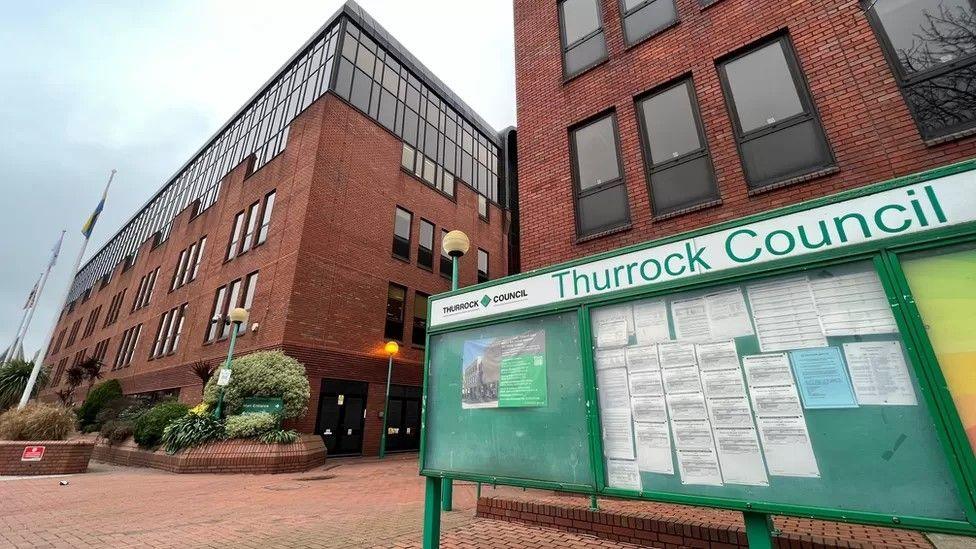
456,244
236,317
391,349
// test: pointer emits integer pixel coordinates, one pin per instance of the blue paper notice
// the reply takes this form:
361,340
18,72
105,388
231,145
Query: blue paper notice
822,378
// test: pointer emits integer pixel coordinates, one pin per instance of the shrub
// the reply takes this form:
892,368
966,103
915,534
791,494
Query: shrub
150,425
251,425
117,430
37,422
120,408
263,374
279,436
13,381
97,398
192,430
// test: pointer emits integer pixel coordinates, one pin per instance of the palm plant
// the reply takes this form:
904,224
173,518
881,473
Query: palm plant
91,369
13,380
203,370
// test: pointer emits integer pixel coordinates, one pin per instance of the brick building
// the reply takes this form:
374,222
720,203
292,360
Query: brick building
320,207
641,119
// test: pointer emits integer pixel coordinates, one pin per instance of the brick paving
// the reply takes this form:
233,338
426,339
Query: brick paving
346,504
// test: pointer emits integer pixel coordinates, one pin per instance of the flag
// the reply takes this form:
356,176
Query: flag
33,294
55,251
90,224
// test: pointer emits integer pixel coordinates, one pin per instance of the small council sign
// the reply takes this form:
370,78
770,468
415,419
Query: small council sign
32,453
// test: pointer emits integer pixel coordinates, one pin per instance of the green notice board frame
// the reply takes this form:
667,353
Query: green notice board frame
883,254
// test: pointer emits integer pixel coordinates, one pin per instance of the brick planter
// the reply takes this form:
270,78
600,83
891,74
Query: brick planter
229,456
60,457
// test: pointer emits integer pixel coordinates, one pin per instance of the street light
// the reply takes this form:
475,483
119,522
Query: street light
391,349
237,317
455,244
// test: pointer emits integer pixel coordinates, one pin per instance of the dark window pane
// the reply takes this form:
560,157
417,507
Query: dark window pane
401,233
360,90
648,19
682,186
928,33
586,54
387,110
579,18
603,210
785,153
482,265
344,79
419,319
946,103
425,253
596,153
394,312
410,127
671,129
762,87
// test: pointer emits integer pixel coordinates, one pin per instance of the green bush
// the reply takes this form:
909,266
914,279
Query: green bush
125,408
279,436
13,381
37,422
250,425
263,374
192,430
150,425
117,430
97,398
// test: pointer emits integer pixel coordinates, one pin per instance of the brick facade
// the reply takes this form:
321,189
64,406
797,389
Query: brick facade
868,125
61,457
324,270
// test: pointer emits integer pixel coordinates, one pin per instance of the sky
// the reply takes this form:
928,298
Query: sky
86,87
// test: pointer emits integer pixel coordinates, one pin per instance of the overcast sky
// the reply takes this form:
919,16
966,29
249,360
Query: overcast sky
139,86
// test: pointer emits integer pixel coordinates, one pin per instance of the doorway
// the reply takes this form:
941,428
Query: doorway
403,423
342,410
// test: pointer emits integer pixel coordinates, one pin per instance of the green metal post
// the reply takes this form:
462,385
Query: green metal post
386,407
432,514
759,530
594,506
447,488
218,411
478,492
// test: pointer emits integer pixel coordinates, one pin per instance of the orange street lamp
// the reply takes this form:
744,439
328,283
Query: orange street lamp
391,348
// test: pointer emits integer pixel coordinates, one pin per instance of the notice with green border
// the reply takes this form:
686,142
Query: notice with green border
505,372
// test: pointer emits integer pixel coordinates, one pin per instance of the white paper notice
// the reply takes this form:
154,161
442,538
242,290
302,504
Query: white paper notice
654,448
610,358
688,406
612,314
611,333
623,474
730,412
768,370
645,384
650,409
699,467
642,359
717,356
692,435
674,355
740,457
879,373
690,319
852,304
612,388
651,321
785,315
682,380
618,437
786,443
776,401
727,314
723,383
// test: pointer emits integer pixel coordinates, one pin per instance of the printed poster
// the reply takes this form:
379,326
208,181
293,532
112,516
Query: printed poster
505,372
879,373
822,379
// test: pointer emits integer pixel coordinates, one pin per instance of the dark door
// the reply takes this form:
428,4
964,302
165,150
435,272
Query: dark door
342,405
403,424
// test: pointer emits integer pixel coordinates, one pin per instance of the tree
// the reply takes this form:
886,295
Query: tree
91,369
13,380
203,370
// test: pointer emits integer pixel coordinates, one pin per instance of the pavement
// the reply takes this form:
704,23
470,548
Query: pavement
345,504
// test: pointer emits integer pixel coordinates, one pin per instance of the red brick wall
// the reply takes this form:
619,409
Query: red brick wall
60,457
867,122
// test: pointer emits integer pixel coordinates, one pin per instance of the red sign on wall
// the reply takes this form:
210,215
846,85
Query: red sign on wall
32,453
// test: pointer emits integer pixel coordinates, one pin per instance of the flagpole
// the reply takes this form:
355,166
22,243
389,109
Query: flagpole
27,321
64,301
9,352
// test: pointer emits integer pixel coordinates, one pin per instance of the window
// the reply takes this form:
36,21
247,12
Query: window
130,338
92,322
425,248
447,264
144,294
178,272
395,298
483,208
642,18
233,295
192,274
601,193
679,171
101,349
269,201
57,344
776,128
216,319
582,37
235,236
250,286
931,47
252,224
229,297
74,334
427,170
169,331
113,309
482,265
419,335
401,233
56,379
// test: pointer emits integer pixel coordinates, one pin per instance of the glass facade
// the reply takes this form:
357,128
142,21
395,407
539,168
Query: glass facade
411,103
